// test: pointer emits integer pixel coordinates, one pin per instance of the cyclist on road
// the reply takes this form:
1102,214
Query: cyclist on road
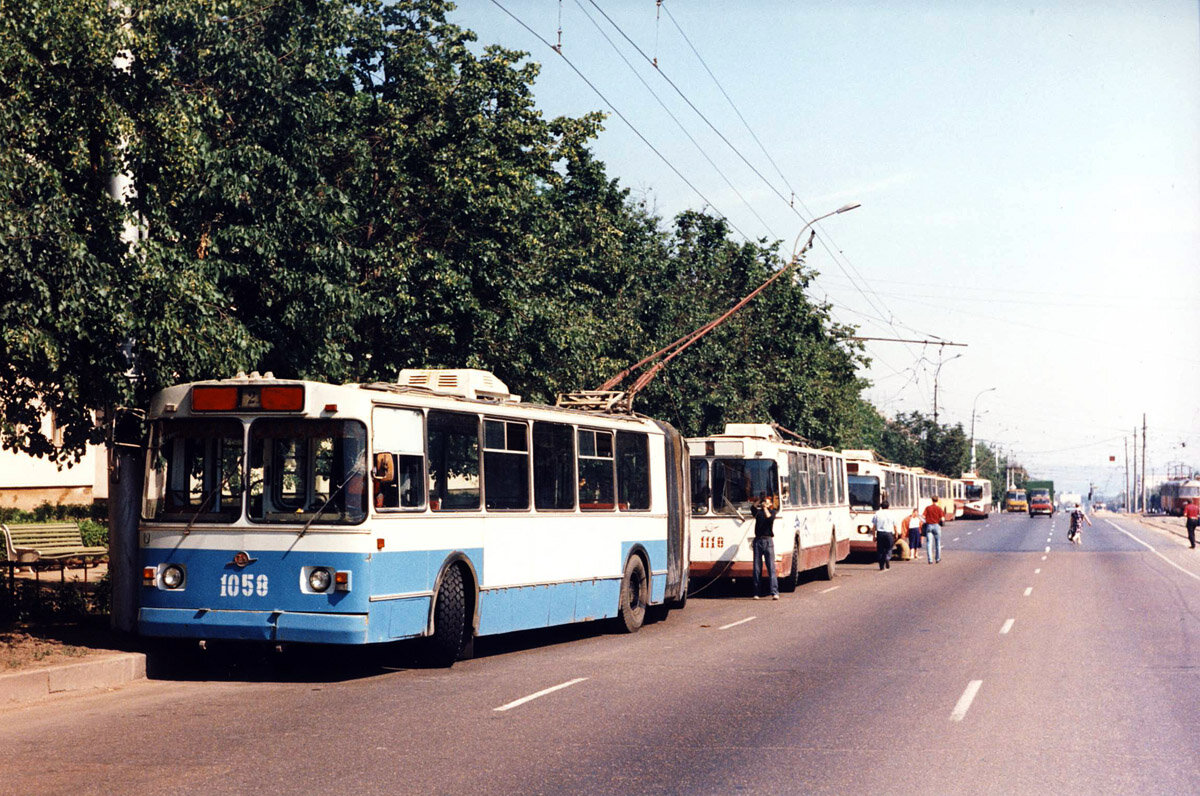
1077,517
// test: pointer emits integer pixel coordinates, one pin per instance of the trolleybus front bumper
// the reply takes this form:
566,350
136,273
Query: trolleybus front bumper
271,626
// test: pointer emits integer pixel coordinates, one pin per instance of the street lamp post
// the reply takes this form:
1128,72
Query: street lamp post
973,405
796,245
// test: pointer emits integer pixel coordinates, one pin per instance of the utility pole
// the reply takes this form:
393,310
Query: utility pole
1145,491
1136,491
1127,508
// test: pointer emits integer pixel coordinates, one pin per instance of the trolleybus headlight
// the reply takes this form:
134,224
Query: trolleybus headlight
172,576
319,579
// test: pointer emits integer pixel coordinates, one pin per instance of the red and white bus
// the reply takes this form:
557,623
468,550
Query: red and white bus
730,470
871,481
1177,493
977,496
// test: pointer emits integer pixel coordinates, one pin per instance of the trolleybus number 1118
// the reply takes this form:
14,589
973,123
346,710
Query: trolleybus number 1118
245,584
713,542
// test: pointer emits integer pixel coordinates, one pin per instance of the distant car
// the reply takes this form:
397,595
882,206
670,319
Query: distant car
1097,507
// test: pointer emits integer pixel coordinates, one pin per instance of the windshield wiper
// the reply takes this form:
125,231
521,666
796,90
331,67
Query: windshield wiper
208,499
359,470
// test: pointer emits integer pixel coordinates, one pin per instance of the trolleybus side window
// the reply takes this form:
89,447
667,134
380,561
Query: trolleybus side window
398,439
803,482
699,486
195,471
794,478
596,474
633,471
302,470
453,461
823,479
553,466
505,464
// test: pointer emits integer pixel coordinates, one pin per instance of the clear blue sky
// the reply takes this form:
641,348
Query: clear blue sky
1029,175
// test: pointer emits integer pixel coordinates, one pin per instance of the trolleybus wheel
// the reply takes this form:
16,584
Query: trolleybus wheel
831,565
634,586
449,620
789,583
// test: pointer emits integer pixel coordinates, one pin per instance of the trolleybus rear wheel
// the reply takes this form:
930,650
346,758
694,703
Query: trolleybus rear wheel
633,596
831,565
789,583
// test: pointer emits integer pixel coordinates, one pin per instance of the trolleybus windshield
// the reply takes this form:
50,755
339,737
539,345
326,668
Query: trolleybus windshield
864,492
308,470
736,481
195,471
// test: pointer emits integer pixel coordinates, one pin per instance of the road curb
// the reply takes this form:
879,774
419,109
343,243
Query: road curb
100,671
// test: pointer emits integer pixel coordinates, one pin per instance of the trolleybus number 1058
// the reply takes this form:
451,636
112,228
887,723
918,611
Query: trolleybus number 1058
245,584
713,542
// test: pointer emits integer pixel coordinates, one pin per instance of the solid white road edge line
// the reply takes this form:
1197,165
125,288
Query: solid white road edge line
738,622
1029,591
542,693
964,701
1187,572
1007,626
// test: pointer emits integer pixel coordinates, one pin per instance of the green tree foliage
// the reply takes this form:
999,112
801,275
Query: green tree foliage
336,191
913,439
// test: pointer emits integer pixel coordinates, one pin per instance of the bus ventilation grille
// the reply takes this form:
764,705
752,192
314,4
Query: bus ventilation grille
611,401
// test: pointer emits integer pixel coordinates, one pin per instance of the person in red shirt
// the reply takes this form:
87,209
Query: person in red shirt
1191,517
933,532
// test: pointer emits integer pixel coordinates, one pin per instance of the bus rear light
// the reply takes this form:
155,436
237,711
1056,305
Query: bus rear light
214,399
379,544
331,408
285,398
341,580
149,576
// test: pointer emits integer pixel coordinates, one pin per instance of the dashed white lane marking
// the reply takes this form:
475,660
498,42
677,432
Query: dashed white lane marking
1047,548
964,701
1007,626
542,693
826,591
1043,557
970,532
1037,571
1187,572
738,622
1028,591
955,539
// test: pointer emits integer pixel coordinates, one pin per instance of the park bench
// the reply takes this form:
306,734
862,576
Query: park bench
27,544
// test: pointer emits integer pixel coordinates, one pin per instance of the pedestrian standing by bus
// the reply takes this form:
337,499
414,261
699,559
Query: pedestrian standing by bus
933,532
1191,517
912,524
764,511
885,535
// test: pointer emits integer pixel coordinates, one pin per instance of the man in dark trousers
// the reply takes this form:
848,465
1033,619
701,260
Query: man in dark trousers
764,511
1191,518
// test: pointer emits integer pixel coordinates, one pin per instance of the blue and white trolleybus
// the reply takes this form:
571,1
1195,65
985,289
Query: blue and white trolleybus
440,506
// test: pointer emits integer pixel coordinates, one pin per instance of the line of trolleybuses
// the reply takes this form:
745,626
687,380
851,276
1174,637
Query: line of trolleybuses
443,507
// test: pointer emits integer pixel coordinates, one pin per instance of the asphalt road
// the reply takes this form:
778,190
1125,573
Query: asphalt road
1020,664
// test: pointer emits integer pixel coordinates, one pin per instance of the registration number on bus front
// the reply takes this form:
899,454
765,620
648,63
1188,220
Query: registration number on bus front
243,585
708,542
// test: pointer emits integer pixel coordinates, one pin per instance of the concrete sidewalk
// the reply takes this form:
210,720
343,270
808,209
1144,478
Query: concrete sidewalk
100,671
